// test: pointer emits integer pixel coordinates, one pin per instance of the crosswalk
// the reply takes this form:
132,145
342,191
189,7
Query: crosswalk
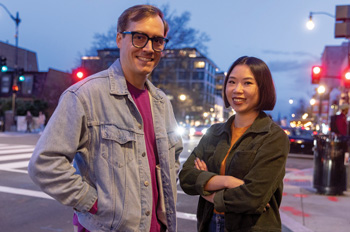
15,158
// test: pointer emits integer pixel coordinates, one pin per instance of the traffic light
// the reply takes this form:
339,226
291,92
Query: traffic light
79,73
15,88
4,67
21,76
346,79
316,74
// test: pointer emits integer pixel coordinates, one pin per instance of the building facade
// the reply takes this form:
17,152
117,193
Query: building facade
185,75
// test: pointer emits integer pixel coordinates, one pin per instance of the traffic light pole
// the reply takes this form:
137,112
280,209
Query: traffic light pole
17,20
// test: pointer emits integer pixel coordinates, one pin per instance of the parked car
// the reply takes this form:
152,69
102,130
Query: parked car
199,130
301,140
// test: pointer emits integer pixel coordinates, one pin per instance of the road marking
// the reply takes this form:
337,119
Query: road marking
39,194
21,164
25,192
14,157
12,151
8,146
187,216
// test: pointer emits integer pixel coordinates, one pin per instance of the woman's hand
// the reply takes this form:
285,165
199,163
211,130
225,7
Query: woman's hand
200,164
210,198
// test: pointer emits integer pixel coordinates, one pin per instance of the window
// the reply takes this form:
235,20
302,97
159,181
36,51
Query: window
5,84
184,75
27,85
198,76
199,64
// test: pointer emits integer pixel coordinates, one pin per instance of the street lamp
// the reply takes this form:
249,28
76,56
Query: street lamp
182,97
310,24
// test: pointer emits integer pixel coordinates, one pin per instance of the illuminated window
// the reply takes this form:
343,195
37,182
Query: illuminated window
199,64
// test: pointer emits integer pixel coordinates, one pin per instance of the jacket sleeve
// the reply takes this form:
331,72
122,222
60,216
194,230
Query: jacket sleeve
261,182
50,165
192,180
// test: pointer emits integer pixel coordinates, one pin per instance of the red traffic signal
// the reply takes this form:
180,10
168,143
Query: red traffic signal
79,73
15,88
316,74
346,79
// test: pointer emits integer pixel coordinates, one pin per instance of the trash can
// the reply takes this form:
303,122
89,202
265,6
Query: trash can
329,169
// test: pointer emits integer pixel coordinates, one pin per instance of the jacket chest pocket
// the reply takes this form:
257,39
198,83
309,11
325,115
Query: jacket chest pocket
240,164
119,145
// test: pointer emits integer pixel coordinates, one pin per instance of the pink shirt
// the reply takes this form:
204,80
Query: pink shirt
141,98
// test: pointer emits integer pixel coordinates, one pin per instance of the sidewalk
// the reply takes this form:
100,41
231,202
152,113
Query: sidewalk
304,210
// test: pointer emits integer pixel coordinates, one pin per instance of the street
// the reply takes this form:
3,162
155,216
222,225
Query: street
25,208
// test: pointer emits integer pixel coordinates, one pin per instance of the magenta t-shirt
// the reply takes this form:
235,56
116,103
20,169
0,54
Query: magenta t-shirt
143,104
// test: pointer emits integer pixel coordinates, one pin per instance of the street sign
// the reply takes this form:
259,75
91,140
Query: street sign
342,24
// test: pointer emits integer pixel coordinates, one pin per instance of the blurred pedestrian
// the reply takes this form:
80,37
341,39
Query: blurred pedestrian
117,126
238,166
29,120
41,121
341,120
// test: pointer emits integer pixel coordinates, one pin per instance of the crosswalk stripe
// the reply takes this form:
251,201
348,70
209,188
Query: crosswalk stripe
16,151
25,192
187,216
21,164
39,194
14,157
6,146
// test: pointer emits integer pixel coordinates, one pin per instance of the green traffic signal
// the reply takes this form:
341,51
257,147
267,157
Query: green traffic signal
3,64
21,78
4,68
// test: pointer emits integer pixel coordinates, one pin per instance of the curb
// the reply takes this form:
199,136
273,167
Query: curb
291,225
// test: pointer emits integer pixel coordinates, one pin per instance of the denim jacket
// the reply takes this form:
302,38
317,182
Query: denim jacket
98,125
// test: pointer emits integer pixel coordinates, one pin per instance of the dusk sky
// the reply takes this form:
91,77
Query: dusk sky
273,30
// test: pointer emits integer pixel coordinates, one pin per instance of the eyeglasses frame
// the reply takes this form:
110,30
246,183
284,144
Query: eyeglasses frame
132,33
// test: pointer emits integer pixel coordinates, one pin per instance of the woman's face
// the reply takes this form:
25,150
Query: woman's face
242,90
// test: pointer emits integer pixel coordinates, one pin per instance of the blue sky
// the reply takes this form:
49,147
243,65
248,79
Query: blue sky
273,30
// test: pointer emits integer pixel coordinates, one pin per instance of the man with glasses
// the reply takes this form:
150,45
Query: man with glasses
117,127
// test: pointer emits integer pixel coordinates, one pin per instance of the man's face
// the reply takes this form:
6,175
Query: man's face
139,62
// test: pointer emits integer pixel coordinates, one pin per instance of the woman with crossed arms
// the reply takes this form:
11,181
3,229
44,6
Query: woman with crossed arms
238,166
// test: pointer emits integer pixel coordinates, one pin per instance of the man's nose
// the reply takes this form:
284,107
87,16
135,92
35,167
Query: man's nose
148,46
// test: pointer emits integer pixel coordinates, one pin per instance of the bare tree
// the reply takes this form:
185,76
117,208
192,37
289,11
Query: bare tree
180,34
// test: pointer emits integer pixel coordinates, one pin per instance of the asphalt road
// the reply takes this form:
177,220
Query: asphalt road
25,208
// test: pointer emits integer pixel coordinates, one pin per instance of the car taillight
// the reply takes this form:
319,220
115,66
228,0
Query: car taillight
292,140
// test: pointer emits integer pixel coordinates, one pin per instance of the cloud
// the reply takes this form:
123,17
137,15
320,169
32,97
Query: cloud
294,53
285,66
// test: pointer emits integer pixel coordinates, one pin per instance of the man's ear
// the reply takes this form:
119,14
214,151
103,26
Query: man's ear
119,39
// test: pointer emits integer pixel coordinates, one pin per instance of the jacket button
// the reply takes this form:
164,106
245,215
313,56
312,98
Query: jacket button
140,126
146,183
143,154
148,213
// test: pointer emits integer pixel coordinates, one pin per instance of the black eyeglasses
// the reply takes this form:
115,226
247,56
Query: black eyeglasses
139,40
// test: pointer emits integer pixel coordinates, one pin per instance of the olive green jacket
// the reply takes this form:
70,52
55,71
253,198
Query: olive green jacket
258,158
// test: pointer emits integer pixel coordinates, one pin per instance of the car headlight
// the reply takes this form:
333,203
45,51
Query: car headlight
192,131
180,130
204,131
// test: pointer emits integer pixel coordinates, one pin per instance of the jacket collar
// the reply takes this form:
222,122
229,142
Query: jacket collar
118,84
261,124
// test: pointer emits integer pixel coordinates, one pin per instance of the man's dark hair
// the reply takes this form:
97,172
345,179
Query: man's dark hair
139,12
